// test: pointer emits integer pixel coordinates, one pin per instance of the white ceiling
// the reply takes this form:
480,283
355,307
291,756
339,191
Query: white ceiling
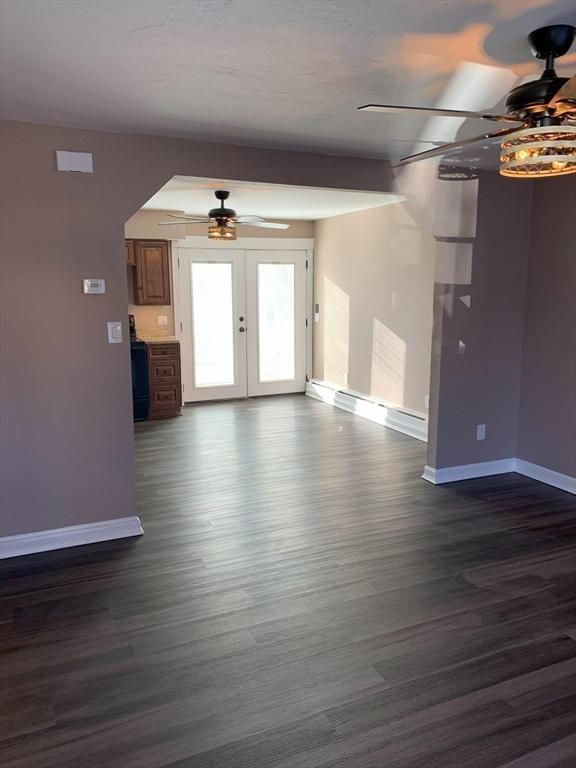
273,201
277,73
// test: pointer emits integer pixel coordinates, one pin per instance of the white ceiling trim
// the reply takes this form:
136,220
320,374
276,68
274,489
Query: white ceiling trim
195,196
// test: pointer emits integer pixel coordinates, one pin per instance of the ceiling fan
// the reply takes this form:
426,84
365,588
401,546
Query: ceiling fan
223,220
542,141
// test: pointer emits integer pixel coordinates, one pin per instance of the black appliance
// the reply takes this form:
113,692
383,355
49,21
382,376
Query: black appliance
132,327
140,398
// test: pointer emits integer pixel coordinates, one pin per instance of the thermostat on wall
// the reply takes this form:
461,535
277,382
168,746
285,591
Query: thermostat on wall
93,285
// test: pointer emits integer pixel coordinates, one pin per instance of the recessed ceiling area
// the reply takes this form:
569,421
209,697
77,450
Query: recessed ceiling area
195,196
287,74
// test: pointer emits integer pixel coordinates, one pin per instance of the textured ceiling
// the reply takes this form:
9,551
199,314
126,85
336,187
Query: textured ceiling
277,73
196,196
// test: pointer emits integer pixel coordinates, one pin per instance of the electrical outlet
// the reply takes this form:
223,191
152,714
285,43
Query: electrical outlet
162,319
480,431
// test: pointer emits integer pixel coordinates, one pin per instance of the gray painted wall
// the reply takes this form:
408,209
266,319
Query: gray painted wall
478,329
547,420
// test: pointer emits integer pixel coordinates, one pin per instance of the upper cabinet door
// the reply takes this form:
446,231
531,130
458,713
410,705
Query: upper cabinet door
130,253
152,273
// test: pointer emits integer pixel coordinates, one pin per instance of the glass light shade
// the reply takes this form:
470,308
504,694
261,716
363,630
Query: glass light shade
221,232
537,152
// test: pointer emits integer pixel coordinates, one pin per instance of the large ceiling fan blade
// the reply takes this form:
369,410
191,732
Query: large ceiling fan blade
248,219
264,224
184,221
184,217
565,98
393,109
446,148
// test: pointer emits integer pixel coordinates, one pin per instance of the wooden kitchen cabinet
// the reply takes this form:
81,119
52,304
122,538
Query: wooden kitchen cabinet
130,253
151,272
164,380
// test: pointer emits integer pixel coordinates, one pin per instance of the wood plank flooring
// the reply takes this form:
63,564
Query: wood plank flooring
301,598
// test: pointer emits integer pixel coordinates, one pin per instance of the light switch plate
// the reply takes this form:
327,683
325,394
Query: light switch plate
114,332
480,431
162,319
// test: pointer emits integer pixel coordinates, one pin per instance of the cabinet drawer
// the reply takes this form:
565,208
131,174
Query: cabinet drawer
164,350
165,397
164,371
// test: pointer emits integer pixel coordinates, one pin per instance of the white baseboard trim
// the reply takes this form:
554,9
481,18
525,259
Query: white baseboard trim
71,536
467,471
408,423
545,475
487,468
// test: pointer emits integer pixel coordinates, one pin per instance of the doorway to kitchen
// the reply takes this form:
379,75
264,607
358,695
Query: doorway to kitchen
242,315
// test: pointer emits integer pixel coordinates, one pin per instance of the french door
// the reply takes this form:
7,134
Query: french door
243,322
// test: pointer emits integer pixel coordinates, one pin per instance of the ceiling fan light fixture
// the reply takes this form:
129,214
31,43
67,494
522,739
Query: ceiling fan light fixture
539,152
222,232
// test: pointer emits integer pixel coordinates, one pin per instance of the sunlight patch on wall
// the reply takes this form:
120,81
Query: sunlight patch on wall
388,364
336,334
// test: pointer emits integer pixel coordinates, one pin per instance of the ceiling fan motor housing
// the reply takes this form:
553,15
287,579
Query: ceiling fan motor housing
222,213
532,98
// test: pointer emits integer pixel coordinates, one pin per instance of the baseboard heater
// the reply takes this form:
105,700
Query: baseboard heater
408,422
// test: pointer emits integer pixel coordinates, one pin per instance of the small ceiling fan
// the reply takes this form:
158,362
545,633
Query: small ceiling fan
223,221
542,141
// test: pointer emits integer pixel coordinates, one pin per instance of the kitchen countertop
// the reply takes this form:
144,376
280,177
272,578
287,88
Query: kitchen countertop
152,338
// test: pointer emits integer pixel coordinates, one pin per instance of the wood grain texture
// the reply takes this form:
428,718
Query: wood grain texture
300,599
164,380
152,272
130,253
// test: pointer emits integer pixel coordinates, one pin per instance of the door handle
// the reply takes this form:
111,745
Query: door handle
241,329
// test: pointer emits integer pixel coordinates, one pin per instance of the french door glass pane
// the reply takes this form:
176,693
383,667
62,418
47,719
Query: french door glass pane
276,322
213,306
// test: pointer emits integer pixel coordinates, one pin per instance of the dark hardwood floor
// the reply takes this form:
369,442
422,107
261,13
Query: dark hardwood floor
301,598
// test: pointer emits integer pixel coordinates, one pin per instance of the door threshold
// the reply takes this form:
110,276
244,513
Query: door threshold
243,399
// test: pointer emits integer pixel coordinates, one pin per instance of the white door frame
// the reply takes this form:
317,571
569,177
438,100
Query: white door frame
182,318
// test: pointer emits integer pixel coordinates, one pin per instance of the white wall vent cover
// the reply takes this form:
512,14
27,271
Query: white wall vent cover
74,162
